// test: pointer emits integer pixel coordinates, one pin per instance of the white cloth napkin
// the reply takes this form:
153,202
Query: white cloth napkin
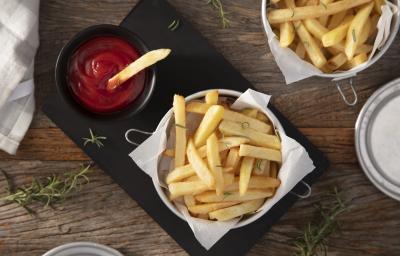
19,40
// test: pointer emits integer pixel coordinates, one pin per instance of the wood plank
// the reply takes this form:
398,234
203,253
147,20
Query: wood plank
102,212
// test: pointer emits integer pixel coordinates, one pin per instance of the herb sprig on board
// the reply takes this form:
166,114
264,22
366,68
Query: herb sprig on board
174,25
313,241
46,191
222,14
94,139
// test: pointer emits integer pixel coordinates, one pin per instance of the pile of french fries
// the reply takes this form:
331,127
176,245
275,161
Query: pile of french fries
228,166
333,35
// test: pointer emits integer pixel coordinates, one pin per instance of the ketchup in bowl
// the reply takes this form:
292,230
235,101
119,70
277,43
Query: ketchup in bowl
96,61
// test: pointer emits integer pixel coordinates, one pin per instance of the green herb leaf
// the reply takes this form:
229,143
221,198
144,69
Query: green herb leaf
94,139
245,125
353,32
316,233
48,190
174,25
258,164
324,5
226,194
218,6
180,126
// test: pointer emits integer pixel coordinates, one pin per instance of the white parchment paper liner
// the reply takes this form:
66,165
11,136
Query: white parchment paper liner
295,69
296,165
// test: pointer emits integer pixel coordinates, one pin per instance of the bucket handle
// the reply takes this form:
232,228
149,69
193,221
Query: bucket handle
136,131
355,97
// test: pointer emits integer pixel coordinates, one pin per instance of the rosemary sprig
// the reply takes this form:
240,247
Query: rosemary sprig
313,241
226,194
180,126
258,164
174,25
245,125
218,6
47,191
94,139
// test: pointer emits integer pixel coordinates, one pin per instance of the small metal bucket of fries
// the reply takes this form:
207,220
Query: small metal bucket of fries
328,38
220,159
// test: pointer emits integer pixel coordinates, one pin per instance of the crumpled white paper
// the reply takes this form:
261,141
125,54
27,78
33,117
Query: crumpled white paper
148,156
295,69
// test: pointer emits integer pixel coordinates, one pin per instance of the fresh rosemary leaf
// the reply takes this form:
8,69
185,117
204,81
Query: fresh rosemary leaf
49,190
245,125
258,164
218,6
226,194
353,33
94,139
180,126
174,25
313,241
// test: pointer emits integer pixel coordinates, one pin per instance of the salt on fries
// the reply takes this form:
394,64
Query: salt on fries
333,35
229,166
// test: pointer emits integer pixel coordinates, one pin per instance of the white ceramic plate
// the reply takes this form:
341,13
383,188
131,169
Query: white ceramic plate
82,249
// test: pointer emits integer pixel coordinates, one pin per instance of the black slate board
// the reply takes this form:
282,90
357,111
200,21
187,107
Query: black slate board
194,65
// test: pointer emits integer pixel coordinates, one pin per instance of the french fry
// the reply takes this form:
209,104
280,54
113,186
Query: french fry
180,173
214,163
233,159
223,155
336,35
378,5
301,2
229,178
260,152
183,188
251,194
180,130
315,28
374,25
355,30
247,121
356,61
286,34
336,19
337,61
206,208
199,165
212,97
262,117
224,143
256,137
245,172
365,32
309,12
274,170
261,167
312,48
255,182
197,107
189,200
169,152
135,67
300,50
207,126
203,216
250,112
324,19
236,210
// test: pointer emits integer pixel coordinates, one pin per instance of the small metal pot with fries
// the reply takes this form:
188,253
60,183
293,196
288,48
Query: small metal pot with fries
339,38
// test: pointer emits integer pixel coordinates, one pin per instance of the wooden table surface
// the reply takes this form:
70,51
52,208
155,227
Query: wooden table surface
102,212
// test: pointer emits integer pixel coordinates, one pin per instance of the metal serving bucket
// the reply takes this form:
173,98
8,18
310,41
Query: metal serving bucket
337,78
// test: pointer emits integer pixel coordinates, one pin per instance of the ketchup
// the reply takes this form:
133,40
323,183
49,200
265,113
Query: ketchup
96,61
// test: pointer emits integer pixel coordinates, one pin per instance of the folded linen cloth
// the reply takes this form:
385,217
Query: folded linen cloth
19,40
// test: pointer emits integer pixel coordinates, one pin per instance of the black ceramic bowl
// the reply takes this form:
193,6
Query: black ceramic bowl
67,51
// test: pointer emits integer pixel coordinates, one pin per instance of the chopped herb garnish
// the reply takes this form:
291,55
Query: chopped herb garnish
324,5
94,139
245,125
180,126
174,25
226,194
219,166
353,32
258,164
218,6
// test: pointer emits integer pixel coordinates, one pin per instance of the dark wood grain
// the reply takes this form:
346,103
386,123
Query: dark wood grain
102,212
